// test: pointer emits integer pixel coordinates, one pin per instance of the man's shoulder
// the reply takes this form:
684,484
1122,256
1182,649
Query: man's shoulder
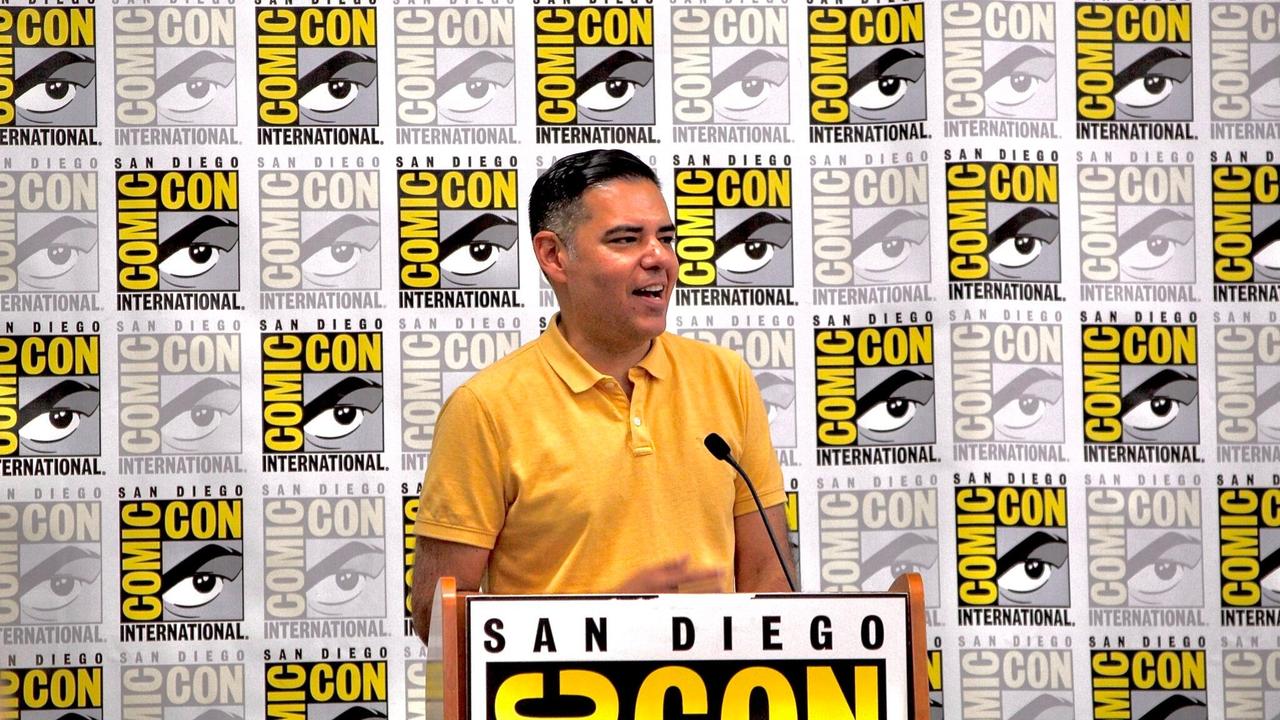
501,376
686,350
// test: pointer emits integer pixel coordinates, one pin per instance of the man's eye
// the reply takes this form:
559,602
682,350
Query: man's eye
201,577
884,92
195,248
336,422
1014,89
336,83
1150,79
51,262
889,415
614,81
1268,257
1026,576
341,410
1027,566
331,96
191,95
194,261
471,259
1017,251
195,591
748,257
52,426
48,97
609,94
884,255
1015,78
58,580
745,94
343,576
893,403
1153,414
884,81
1146,91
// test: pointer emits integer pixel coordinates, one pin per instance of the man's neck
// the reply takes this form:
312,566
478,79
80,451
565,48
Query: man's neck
614,362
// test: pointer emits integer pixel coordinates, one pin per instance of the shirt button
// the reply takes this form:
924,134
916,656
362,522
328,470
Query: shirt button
635,421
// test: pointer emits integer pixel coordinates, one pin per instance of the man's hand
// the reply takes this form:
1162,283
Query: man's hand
673,576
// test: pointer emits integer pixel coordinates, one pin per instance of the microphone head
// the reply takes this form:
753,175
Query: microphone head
717,446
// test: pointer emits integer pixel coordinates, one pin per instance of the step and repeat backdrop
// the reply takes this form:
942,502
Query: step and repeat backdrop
1006,273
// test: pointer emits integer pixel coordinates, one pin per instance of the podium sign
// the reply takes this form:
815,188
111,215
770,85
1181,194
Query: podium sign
827,657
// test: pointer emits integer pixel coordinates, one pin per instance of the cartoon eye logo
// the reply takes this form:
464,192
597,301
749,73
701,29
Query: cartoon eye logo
360,712
476,247
1017,77
335,84
1047,706
751,245
1266,253
343,577
54,250
194,84
892,404
196,248
777,392
53,84
1020,240
907,552
196,413
55,414
1149,81
883,82
889,243
1153,242
1027,566
1160,566
1022,403
1154,404
747,84
1268,578
471,86
334,250
341,410
612,83
1267,413
1265,99
199,578
57,581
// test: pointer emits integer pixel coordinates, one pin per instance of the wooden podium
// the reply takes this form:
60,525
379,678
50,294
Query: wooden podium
602,657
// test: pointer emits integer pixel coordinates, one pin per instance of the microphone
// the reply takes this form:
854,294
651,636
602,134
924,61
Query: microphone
720,450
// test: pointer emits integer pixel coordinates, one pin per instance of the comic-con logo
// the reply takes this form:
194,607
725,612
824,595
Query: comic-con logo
1247,376
180,395
1249,537
336,689
323,559
770,353
321,401
1250,681
175,67
1133,71
875,394
1244,71
433,365
49,403
52,692
57,576
1013,556
1137,231
48,239
594,74
729,74
1003,230
1145,547
733,232
455,75
1140,392
1013,683
319,238
177,240
793,526
317,75
457,232
866,73
936,705
871,234
409,541
181,562
1006,391
1148,684
1246,232
197,689
867,538
48,75
999,67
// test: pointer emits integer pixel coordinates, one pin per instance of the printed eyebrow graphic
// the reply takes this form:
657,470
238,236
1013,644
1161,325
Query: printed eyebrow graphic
346,65
208,230
755,65
487,229
359,712
900,225
1176,226
80,234
1049,383
622,65
1029,222
351,392
1044,705
218,394
763,227
356,556
1157,549
1163,61
1266,73
1177,707
775,389
908,547
1040,546
905,384
210,559
1172,384
486,65
77,562
70,395
350,228
898,63
76,716
64,66
213,67
217,714
1268,399
1026,59
1266,237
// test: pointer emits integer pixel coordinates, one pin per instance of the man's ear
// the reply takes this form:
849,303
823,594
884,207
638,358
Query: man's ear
550,252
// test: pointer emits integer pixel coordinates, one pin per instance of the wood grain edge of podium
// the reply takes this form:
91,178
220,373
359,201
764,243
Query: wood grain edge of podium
448,630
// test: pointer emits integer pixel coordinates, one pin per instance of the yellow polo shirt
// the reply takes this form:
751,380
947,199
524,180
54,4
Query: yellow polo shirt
574,488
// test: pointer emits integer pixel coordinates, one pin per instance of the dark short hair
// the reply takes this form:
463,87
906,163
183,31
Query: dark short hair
555,203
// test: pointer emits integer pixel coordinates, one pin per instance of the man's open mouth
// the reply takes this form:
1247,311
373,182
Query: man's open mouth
651,291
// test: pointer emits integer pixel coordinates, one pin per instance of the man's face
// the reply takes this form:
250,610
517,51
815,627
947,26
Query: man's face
620,270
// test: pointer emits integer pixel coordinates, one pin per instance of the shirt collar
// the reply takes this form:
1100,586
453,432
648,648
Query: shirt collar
578,374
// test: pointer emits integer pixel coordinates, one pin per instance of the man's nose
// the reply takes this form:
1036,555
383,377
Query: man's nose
657,252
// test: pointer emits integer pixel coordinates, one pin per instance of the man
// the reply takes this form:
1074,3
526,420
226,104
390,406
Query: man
576,463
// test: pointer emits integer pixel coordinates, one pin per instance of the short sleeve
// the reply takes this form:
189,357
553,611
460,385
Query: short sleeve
463,496
758,458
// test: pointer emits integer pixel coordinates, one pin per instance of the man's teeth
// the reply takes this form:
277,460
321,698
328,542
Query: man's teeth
652,290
